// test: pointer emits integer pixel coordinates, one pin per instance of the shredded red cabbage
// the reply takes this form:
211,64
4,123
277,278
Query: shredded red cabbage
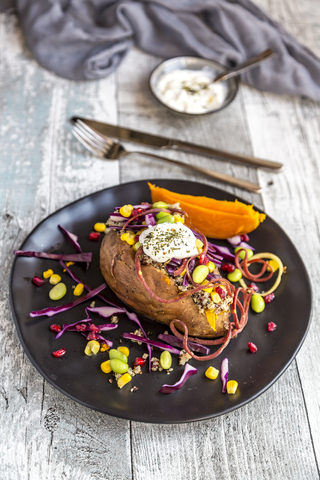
246,245
73,239
237,241
71,327
129,227
117,217
50,311
234,241
76,257
150,220
106,312
177,342
188,371
224,374
223,251
154,343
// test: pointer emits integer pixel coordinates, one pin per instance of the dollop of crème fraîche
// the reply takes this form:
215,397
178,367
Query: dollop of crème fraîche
166,241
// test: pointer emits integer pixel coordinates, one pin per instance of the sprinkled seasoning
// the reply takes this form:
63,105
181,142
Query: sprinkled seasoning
162,242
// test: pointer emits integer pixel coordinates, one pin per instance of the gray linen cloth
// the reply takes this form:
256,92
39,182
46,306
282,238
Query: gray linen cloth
87,39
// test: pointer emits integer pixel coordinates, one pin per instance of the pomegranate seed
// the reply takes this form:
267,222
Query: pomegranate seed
221,292
269,298
271,326
136,211
136,238
245,238
94,329
91,336
252,347
139,361
203,259
59,353
94,236
228,267
254,287
81,328
38,281
55,328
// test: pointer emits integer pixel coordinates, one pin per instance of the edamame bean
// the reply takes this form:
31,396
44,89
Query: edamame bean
257,303
242,254
58,291
235,275
115,354
118,366
161,215
166,219
160,205
200,273
165,360
136,246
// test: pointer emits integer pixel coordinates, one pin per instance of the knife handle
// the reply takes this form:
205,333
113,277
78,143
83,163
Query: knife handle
223,177
222,154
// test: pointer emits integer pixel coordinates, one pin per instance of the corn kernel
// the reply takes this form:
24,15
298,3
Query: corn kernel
104,347
70,263
105,367
183,273
123,380
126,210
274,265
199,245
215,297
92,348
78,290
99,227
209,290
124,350
178,219
128,237
47,273
232,386
211,266
54,279
212,373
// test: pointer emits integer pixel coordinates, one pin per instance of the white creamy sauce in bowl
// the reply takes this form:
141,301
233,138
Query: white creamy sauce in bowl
168,240
190,91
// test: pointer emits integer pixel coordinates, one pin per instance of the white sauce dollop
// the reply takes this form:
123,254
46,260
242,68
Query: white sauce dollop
191,91
168,240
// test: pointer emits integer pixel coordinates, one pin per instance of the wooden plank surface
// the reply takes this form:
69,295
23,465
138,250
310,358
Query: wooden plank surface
46,435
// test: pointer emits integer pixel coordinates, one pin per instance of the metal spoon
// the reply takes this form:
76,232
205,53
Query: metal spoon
245,66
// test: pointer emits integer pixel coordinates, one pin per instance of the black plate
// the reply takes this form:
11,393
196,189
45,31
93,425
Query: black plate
79,376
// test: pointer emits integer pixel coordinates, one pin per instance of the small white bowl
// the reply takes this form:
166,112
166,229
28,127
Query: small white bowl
228,88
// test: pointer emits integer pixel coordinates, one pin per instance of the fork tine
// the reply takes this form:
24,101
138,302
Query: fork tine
94,134
101,147
86,144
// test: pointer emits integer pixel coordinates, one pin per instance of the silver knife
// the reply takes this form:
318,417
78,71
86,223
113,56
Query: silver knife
136,136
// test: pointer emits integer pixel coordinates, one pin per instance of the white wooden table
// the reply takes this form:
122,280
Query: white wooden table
45,435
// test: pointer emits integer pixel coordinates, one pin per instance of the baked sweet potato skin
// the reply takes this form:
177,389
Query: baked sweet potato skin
123,280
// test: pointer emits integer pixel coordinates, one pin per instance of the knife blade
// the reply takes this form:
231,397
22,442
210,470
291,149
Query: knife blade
136,136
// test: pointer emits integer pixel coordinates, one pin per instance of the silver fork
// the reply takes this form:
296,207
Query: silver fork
103,147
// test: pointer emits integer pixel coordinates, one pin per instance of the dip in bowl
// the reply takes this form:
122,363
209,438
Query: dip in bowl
184,84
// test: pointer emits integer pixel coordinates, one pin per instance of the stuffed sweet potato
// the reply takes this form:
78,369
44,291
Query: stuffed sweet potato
117,263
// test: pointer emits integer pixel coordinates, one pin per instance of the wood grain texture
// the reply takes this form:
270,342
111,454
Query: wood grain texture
44,434
42,167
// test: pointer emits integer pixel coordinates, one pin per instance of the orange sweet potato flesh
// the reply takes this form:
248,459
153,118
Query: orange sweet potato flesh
215,218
